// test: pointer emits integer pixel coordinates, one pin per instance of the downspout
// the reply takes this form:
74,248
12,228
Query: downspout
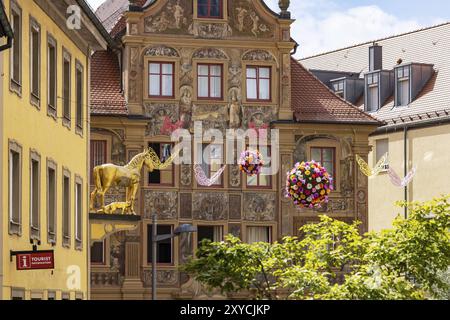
405,159
7,45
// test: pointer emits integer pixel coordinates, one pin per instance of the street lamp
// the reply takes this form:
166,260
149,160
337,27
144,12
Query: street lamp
184,228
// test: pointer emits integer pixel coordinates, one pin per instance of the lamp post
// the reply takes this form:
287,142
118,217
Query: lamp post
184,228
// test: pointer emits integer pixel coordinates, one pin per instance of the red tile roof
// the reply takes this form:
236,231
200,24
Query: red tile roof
312,101
121,24
106,93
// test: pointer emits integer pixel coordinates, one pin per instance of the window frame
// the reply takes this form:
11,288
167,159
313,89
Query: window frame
16,83
78,210
204,225
399,80
208,7
66,101
66,238
386,165
52,109
79,110
92,165
270,229
258,80
322,148
149,249
160,75
15,227
35,97
173,166
209,77
35,230
208,174
17,293
52,236
104,245
338,91
369,83
258,186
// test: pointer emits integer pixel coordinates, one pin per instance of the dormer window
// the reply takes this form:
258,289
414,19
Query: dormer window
372,92
210,9
379,86
402,75
339,88
409,81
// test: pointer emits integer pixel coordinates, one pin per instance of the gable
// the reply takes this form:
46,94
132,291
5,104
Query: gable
241,19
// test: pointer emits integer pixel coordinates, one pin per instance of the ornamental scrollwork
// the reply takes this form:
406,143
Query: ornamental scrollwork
161,51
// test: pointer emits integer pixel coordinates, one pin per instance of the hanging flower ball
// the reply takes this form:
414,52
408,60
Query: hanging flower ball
251,162
309,184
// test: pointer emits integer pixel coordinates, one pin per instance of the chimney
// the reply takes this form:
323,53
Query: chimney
375,57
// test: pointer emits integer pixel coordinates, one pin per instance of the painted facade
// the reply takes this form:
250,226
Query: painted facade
44,142
241,36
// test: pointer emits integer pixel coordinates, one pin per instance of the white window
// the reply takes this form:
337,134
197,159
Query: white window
212,155
66,85
78,213
261,180
258,83
51,70
259,234
210,81
35,191
381,148
372,92
403,86
161,79
16,49
51,202
79,95
15,188
339,88
66,209
35,59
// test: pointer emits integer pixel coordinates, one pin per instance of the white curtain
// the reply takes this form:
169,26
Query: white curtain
218,234
258,234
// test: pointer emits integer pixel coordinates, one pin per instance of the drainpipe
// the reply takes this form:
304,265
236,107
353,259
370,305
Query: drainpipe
405,158
8,45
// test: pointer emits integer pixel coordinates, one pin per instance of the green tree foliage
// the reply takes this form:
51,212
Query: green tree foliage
331,260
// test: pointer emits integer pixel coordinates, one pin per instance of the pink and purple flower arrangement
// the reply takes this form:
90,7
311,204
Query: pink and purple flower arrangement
309,184
251,162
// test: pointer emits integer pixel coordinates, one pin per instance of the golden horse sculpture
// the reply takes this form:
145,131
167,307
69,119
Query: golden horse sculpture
128,176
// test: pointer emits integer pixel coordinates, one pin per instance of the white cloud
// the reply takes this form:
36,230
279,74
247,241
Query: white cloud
95,3
322,26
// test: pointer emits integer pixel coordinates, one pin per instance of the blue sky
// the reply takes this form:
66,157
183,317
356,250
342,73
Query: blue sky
323,25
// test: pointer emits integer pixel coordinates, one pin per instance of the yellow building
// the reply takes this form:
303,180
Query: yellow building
407,87
44,137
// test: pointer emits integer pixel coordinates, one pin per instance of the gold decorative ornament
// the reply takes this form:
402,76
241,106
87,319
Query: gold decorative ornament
113,207
156,162
108,175
368,171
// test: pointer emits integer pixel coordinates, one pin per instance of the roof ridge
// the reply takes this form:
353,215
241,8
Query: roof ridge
334,94
380,39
